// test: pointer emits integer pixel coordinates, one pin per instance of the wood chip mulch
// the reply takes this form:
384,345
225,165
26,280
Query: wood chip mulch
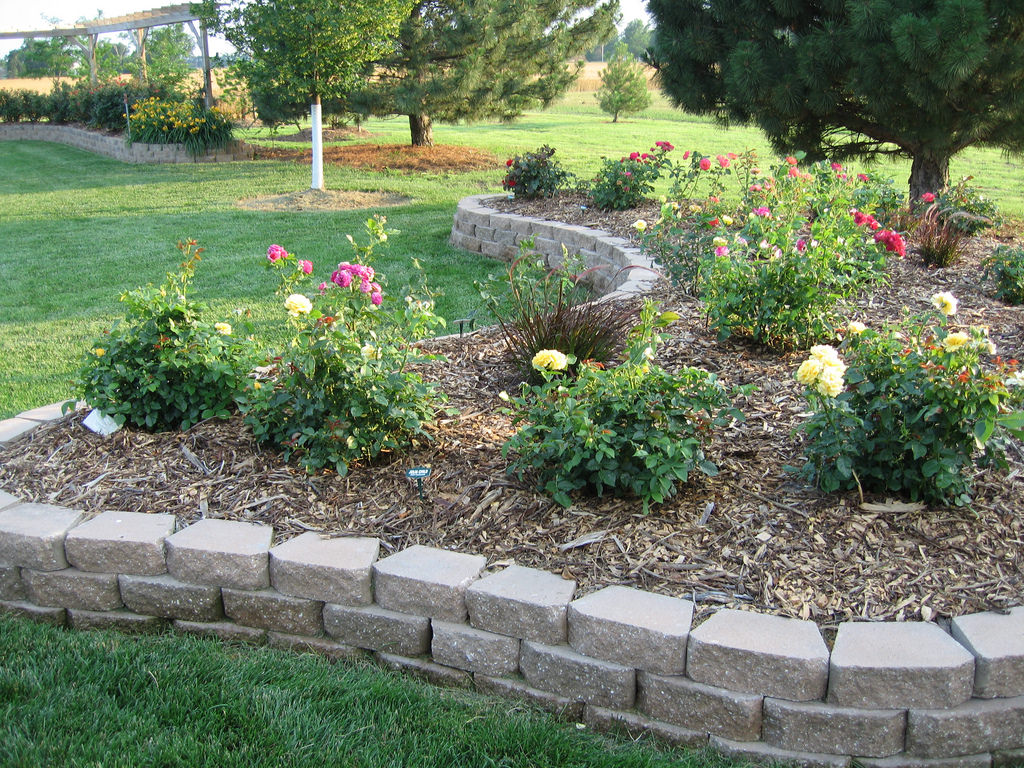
753,537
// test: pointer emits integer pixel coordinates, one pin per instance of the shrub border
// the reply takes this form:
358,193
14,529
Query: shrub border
754,686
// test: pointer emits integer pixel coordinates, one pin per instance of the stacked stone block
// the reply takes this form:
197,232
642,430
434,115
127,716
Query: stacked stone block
116,147
478,228
757,687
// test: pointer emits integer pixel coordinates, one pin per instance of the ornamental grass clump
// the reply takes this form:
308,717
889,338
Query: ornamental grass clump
342,390
910,408
165,367
541,307
633,428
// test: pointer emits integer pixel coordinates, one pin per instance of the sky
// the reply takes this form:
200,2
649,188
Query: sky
21,15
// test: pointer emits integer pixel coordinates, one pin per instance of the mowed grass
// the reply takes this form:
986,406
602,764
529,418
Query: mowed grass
78,230
108,700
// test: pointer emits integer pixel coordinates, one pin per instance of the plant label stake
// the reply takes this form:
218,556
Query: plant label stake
417,474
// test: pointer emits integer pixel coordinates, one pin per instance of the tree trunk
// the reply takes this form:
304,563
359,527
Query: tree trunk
422,130
928,173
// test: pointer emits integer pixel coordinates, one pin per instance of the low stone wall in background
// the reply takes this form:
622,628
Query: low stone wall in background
754,686
115,146
622,267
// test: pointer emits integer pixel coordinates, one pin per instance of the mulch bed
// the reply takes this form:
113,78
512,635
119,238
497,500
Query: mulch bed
753,537
393,157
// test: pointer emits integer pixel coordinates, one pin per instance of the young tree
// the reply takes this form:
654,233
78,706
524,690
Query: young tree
918,78
623,88
472,59
168,50
637,37
306,48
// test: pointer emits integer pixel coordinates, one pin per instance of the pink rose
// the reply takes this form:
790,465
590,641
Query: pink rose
837,167
928,197
376,299
323,288
862,177
634,155
721,251
686,155
306,266
723,161
276,253
792,160
705,163
793,172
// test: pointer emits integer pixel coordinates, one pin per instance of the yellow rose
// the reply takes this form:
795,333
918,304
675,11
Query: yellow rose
808,371
550,360
297,304
856,328
99,352
727,220
371,352
955,340
945,302
640,225
828,357
830,382
719,242
224,328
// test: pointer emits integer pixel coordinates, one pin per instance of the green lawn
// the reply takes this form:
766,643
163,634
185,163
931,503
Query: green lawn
106,700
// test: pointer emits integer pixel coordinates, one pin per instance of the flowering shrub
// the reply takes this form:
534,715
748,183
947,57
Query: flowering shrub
342,390
634,428
164,367
910,410
622,184
159,121
534,175
542,308
963,207
777,268
1006,267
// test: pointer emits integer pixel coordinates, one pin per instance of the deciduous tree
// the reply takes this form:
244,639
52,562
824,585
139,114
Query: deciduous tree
473,59
918,78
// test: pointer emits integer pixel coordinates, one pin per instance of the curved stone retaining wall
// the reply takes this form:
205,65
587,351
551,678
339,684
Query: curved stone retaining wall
115,146
623,268
755,686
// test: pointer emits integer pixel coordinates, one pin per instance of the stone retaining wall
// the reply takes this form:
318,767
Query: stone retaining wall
115,146
754,686
622,268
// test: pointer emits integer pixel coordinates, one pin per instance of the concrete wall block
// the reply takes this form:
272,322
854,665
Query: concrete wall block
515,688
523,225
120,542
378,629
322,646
44,413
12,587
39,613
169,598
505,237
632,627
338,570
497,250
223,553
436,674
759,653
997,642
72,588
7,500
610,247
903,760
269,609
763,754
476,216
547,247
426,581
980,725
474,650
561,670
486,234
119,620
32,535
464,226
896,665
635,726
683,702
524,602
817,727
466,242
224,631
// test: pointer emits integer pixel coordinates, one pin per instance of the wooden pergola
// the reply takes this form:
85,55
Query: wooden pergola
86,34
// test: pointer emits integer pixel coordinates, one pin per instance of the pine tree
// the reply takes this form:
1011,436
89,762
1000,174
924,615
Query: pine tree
917,78
623,88
474,59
